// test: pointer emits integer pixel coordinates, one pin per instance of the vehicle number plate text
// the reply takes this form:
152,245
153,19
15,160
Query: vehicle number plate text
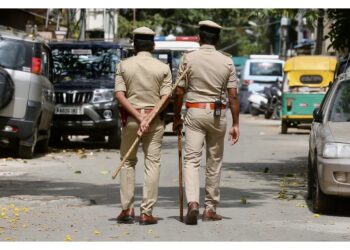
69,110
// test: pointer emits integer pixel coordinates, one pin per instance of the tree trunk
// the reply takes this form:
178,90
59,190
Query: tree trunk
319,31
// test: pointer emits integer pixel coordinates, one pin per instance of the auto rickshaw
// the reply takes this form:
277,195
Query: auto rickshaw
305,83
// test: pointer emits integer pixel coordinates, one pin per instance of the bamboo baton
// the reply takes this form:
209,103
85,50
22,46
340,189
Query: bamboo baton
181,196
154,114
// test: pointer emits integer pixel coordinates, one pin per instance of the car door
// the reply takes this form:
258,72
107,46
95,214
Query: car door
316,127
48,105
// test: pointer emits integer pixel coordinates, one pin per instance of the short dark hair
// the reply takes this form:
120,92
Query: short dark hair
143,42
209,35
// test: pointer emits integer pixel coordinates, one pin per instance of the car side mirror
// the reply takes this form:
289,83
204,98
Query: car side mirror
318,117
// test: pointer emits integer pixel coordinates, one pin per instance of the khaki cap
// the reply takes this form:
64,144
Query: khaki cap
144,31
210,24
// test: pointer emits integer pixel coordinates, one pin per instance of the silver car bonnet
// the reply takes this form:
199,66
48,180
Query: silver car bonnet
340,131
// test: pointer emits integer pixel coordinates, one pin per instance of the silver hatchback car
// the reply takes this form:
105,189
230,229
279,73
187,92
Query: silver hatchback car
329,147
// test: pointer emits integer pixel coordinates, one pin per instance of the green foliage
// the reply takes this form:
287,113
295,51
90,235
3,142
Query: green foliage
185,22
339,34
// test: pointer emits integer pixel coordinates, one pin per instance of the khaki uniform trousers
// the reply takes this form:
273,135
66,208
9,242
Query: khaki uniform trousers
201,126
151,145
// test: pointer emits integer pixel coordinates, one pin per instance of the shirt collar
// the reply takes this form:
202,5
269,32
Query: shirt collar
144,53
207,46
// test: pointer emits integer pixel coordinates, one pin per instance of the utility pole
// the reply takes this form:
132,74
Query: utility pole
82,24
134,19
319,31
47,19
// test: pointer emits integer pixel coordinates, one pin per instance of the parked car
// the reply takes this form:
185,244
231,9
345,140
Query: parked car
329,147
239,62
259,71
84,91
26,92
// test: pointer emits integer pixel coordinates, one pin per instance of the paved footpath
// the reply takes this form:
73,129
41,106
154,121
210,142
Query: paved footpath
68,194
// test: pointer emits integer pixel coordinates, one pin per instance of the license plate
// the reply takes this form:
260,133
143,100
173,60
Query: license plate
69,110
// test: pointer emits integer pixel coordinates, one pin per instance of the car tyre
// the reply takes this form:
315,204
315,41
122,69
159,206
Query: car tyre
284,127
268,114
27,152
115,136
55,138
43,145
321,202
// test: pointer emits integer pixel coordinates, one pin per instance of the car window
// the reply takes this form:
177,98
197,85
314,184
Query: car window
340,107
326,98
15,54
85,63
45,62
265,69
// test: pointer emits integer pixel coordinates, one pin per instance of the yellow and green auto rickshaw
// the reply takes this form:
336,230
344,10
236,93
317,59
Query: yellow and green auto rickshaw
305,83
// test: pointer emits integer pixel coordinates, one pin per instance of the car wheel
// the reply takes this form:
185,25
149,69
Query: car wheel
284,127
55,138
115,135
268,114
253,111
321,203
27,152
43,145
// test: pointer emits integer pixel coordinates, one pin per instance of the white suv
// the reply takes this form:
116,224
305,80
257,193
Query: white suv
259,71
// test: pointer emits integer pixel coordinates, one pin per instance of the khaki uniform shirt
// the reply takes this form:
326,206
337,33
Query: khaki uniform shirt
210,74
144,79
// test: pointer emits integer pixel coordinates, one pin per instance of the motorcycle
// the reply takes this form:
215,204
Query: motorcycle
267,102
274,104
257,103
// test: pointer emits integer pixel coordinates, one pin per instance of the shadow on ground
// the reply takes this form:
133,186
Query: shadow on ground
109,194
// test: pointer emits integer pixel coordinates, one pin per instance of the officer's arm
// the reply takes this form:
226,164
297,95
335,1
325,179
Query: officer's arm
120,88
178,99
234,107
120,96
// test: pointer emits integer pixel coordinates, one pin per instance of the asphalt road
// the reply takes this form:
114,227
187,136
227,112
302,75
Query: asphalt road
68,194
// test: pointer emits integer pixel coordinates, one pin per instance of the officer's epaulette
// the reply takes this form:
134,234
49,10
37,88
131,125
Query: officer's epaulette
225,54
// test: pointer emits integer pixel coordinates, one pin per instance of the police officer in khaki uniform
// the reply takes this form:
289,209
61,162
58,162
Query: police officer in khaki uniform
210,79
141,83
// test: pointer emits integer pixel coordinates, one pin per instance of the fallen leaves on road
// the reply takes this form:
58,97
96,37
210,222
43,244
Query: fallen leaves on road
96,232
77,172
68,238
302,205
244,200
316,215
105,172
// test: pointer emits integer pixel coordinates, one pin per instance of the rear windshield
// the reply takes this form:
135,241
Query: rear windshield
15,54
85,63
340,110
265,69
170,57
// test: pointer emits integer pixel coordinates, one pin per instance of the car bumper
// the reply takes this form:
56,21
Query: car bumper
24,127
91,120
327,169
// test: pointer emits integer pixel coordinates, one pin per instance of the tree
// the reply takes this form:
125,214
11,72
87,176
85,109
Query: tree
234,39
339,34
